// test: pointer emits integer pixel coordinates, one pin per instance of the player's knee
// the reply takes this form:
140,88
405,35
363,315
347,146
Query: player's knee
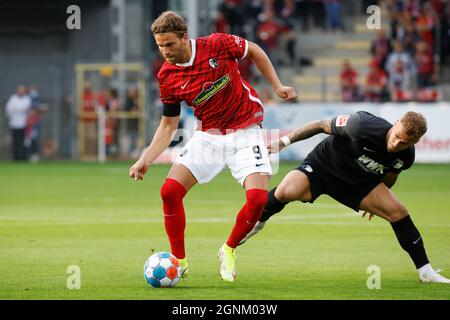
284,194
397,213
171,191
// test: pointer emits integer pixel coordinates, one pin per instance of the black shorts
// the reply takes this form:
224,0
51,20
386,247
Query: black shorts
348,193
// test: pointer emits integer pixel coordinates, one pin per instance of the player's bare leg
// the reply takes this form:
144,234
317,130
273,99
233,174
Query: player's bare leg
183,175
257,181
178,182
295,186
383,203
255,185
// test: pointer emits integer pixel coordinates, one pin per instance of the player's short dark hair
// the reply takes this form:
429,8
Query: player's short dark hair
169,21
415,124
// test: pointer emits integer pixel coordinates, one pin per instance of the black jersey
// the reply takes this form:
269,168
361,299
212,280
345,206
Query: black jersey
356,150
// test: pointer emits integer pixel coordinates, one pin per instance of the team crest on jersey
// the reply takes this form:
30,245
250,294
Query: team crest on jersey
212,90
341,121
213,63
398,164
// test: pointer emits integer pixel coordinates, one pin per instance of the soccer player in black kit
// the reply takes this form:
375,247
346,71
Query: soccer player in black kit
356,165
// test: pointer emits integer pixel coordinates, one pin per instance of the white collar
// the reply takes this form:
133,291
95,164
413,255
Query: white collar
191,61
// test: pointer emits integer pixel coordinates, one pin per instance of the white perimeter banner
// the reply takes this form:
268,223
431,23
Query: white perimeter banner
280,119
434,147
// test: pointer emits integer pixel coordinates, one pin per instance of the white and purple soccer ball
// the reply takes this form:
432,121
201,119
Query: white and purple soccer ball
162,270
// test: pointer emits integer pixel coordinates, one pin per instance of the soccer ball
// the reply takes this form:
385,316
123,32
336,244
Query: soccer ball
162,270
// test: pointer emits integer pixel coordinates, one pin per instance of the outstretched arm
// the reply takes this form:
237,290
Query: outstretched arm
264,65
161,140
304,132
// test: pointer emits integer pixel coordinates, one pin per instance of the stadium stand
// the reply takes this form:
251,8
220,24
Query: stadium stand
419,27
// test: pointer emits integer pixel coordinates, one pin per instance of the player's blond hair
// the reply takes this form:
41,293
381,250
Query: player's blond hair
415,124
169,21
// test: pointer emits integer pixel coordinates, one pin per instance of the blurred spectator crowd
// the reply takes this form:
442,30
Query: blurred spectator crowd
272,25
245,17
405,64
109,101
24,111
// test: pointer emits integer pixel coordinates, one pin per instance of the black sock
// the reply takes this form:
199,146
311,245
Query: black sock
410,240
272,206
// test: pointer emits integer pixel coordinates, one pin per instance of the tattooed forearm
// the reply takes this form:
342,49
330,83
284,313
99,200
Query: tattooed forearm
310,129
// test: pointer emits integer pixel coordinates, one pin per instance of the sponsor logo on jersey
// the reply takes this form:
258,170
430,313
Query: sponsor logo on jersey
307,168
207,94
370,165
341,121
213,63
185,84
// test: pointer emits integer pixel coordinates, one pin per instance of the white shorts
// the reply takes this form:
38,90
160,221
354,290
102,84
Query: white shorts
243,151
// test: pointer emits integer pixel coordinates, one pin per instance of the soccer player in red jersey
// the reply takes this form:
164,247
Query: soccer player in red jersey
204,73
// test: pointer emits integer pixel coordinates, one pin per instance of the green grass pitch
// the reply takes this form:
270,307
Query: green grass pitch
58,214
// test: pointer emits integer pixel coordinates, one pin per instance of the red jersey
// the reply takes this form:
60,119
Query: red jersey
211,83
376,78
349,77
425,63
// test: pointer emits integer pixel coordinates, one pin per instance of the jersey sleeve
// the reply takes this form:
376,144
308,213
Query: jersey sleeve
167,92
166,95
235,46
346,125
406,161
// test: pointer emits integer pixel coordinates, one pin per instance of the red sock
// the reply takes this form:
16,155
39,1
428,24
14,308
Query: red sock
248,216
172,194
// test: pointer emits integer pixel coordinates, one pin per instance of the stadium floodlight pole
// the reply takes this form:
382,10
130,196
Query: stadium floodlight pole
192,18
101,134
118,30
119,52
